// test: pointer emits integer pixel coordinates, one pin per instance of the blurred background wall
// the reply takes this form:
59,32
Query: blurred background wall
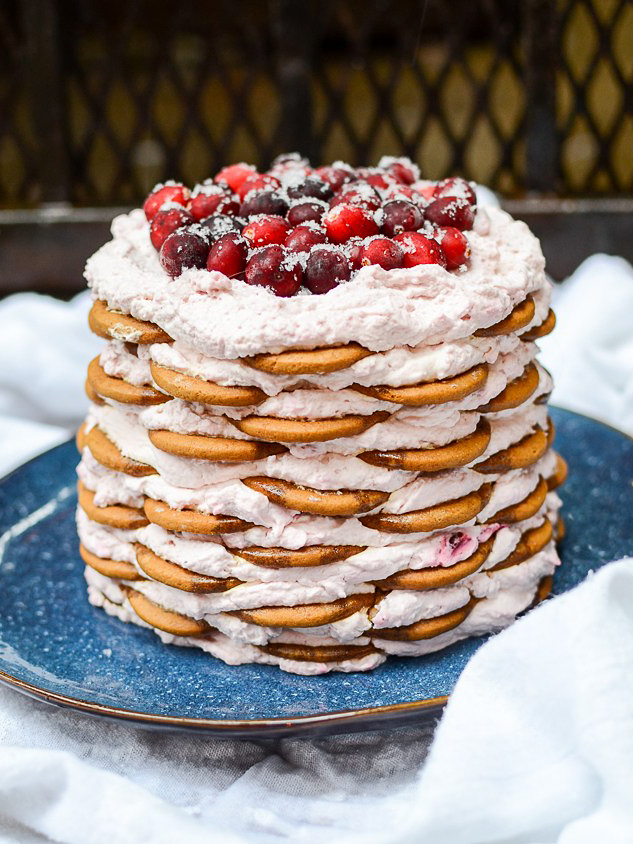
100,99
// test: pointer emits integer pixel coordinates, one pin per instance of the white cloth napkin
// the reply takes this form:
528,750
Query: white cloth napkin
535,746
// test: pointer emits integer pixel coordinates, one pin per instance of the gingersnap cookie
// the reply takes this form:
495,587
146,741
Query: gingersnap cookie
92,394
162,619
115,515
309,555
531,542
521,455
191,521
201,447
117,569
320,502
560,474
106,452
446,514
427,628
309,362
119,390
307,615
520,316
525,509
191,388
452,456
430,392
438,576
117,326
516,392
276,429
546,327
317,653
178,577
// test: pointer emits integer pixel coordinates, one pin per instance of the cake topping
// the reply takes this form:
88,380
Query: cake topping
382,251
166,221
229,254
272,266
184,249
169,192
325,269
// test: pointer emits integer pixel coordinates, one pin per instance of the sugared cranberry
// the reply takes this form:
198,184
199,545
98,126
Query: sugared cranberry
209,198
381,181
325,269
219,224
306,212
382,251
261,181
455,247
425,188
165,222
336,177
358,193
265,229
456,187
183,250
402,172
398,191
345,221
451,211
354,250
264,202
420,249
303,238
312,187
171,192
400,215
235,174
228,255
274,268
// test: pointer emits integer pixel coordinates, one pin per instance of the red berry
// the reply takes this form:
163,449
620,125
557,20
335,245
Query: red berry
380,250
273,267
345,221
398,191
400,215
425,188
305,212
455,247
165,222
354,250
336,177
379,180
312,187
206,198
420,249
235,174
219,224
228,255
358,193
303,238
161,194
264,202
266,229
325,269
456,187
258,182
402,172
451,211
183,250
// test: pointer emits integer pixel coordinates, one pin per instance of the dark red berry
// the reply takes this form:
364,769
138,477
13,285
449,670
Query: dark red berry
228,255
358,193
274,268
264,202
306,212
451,211
345,221
325,269
455,247
176,193
381,181
400,215
402,172
265,229
398,191
219,224
206,199
336,177
235,174
354,250
261,181
312,187
425,188
382,251
303,238
165,222
183,250
420,249
456,187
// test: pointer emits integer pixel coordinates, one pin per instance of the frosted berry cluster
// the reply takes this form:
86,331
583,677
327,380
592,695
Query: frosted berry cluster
297,227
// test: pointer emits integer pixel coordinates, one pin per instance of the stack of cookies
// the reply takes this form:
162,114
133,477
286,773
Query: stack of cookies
319,479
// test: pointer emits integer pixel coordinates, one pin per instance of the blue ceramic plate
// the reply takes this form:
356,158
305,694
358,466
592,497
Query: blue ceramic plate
56,647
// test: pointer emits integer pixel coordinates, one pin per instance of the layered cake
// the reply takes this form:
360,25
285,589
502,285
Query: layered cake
318,434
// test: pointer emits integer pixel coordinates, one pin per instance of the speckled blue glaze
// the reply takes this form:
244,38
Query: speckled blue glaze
54,644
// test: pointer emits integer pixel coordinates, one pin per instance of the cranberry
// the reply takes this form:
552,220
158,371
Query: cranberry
425,188
359,193
354,251
228,255
264,202
272,267
455,247
335,176
345,221
420,249
382,251
303,238
305,212
398,191
183,250
451,211
294,158
206,198
312,187
171,192
325,269
402,172
257,182
165,222
379,180
219,224
400,215
456,187
266,229
235,174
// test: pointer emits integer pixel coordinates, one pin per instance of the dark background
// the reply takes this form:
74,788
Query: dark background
101,99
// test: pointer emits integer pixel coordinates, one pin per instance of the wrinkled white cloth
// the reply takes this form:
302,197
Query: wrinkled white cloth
536,744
